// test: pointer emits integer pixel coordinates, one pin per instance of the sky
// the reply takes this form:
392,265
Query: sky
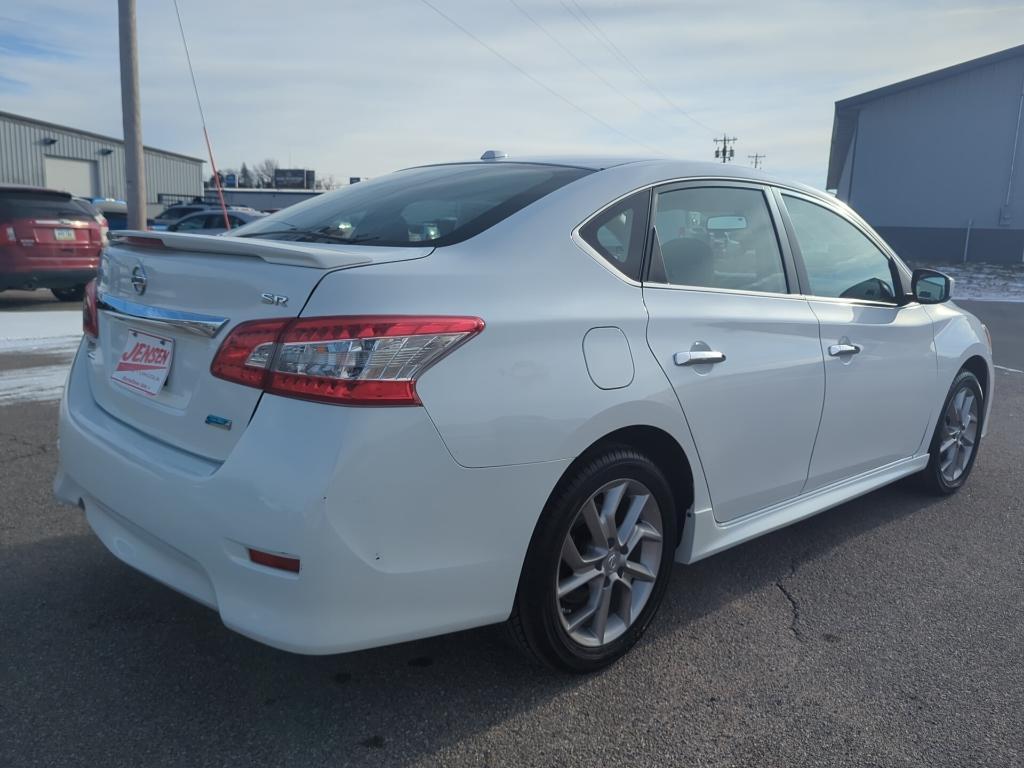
362,88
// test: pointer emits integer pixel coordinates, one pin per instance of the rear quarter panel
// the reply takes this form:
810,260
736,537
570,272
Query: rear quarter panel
520,392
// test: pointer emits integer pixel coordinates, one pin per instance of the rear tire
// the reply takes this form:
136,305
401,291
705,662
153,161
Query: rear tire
598,565
957,437
75,293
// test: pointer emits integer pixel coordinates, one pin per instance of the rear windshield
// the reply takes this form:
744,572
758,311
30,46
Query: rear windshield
40,205
438,205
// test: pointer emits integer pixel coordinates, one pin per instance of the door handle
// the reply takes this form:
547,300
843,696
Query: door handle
698,357
844,348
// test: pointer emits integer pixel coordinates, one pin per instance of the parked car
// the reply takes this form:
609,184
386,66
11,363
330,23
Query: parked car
115,211
504,391
175,213
212,222
48,240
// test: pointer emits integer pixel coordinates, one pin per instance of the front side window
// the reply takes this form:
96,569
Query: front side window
617,233
841,261
716,237
433,206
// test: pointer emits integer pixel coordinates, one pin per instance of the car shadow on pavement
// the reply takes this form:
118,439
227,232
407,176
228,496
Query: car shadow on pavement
106,666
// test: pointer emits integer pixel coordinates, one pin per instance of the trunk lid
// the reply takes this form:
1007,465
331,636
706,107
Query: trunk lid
190,291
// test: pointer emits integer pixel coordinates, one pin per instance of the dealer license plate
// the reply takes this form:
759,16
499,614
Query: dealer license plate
144,363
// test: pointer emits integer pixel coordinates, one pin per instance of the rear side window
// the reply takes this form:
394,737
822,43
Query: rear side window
617,233
716,237
438,205
40,205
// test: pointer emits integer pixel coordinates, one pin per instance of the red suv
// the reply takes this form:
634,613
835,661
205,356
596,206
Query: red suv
48,240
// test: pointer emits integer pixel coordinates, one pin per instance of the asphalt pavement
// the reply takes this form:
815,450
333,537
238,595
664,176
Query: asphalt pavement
888,631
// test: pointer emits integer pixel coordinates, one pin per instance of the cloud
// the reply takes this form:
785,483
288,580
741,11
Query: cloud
13,45
10,85
361,89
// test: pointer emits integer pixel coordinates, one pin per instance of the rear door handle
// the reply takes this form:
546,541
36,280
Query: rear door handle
698,357
844,349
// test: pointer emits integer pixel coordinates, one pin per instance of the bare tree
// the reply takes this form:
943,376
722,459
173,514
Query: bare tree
265,171
327,182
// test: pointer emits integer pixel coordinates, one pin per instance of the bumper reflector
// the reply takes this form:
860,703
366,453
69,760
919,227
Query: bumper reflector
280,562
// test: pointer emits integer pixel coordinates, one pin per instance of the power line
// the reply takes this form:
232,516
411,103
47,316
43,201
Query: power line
726,153
586,66
585,21
202,118
536,80
756,159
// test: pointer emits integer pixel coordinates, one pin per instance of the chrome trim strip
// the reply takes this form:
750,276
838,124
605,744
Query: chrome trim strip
730,291
201,325
825,200
769,294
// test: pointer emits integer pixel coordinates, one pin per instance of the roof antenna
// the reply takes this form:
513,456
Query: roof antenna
494,154
202,118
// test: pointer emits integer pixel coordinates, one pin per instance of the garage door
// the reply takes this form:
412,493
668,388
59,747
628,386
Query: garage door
78,177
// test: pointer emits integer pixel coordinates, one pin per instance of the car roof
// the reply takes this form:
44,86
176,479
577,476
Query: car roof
590,162
658,167
33,189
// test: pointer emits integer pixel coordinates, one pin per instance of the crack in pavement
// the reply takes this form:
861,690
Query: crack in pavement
795,607
794,604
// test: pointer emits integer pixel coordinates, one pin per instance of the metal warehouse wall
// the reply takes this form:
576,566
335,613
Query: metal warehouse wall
22,154
929,162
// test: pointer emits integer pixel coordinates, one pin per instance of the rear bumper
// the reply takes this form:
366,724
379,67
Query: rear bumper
396,540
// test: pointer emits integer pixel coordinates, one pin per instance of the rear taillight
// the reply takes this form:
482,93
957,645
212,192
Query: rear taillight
104,228
244,355
90,317
365,360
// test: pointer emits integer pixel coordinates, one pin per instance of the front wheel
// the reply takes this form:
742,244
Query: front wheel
598,564
957,436
75,293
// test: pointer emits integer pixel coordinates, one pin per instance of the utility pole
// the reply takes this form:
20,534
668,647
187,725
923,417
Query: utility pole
726,152
134,165
756,159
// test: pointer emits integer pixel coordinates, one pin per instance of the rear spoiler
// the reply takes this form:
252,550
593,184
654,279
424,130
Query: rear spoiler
274,252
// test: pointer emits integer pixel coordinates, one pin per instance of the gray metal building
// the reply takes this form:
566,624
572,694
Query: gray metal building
88,164
936,163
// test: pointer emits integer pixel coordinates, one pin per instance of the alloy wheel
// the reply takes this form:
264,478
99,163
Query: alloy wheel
609,562
959,436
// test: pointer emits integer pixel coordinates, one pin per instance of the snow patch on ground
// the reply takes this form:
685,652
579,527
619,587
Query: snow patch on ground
56,344
40,331
39,325
41,382
56,333
986,282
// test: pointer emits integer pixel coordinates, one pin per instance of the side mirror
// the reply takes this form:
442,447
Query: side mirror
931,287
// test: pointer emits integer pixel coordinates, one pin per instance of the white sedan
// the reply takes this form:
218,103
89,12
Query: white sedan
506,390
